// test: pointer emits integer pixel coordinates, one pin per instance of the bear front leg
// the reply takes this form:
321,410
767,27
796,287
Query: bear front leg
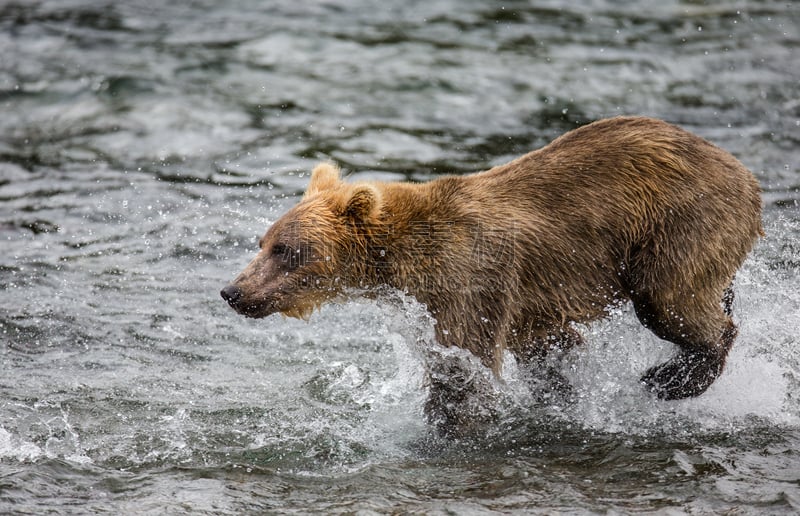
459,395
539,357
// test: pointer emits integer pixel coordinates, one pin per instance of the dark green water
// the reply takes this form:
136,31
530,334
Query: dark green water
143,149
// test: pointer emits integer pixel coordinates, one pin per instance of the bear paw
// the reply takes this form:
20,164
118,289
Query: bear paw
686,375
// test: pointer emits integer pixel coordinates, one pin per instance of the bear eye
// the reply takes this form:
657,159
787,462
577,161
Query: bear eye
289,257
279,249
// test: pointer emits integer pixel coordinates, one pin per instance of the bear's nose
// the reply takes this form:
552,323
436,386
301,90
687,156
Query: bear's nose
232,294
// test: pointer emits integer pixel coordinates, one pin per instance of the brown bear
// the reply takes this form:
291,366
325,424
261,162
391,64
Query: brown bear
623,209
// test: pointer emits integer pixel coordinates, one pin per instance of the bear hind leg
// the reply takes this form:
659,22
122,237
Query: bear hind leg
704,340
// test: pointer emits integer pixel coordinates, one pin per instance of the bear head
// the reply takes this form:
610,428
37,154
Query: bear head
316,249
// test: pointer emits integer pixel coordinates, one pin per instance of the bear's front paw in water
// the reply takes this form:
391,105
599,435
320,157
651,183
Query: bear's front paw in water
686,375
461,400
458,416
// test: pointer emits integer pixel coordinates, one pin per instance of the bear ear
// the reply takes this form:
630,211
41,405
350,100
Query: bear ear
324,177
364,203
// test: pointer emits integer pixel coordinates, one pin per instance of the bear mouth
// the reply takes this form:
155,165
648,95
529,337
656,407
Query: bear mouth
257,311
254,310
287,304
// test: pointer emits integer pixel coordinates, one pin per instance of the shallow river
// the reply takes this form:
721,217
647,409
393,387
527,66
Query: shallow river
143,149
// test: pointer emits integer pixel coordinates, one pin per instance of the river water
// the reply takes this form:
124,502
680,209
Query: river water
145,147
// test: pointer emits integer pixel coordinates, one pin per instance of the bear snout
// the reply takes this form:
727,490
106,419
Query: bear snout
232,294
247,305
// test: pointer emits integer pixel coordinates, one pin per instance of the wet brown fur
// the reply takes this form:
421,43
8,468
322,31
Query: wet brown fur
622,209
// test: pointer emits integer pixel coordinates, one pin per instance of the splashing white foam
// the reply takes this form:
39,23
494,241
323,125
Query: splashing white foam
12,447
